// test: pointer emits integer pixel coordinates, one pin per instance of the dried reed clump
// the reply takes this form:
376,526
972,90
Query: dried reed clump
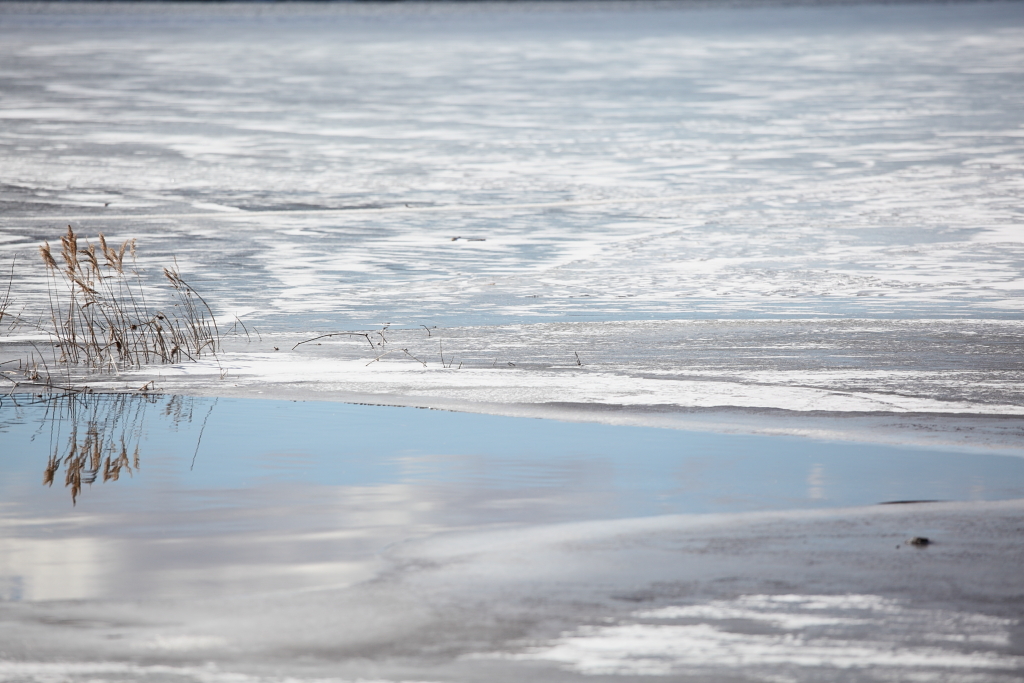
102,319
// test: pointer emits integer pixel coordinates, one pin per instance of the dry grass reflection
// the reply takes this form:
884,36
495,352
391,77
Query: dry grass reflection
96,436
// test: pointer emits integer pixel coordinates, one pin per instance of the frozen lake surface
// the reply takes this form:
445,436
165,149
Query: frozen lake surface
833,192
798,227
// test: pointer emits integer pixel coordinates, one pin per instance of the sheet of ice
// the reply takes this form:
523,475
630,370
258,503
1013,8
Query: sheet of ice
931,382
326,167
837,160
694,642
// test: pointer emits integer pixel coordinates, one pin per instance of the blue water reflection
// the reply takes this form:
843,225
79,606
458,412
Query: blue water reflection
198,446
136,497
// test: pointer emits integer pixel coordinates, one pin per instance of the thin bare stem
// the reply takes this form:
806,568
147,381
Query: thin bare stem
414,357
365,335
381,356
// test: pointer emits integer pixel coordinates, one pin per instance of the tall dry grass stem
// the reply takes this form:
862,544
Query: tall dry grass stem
5,299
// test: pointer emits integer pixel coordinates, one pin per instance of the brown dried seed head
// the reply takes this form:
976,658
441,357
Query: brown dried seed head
44,249
82,284
70,242
69,254
108,253
91,252
120,257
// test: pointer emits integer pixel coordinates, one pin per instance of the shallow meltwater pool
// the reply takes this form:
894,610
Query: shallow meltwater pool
129,495
199,540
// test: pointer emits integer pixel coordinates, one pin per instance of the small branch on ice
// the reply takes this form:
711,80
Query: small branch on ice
365,335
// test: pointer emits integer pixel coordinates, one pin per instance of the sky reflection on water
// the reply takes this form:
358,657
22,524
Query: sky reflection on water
234,494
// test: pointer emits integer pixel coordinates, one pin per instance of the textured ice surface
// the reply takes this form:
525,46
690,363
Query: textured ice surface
690,639
828,161
802,596
311,166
